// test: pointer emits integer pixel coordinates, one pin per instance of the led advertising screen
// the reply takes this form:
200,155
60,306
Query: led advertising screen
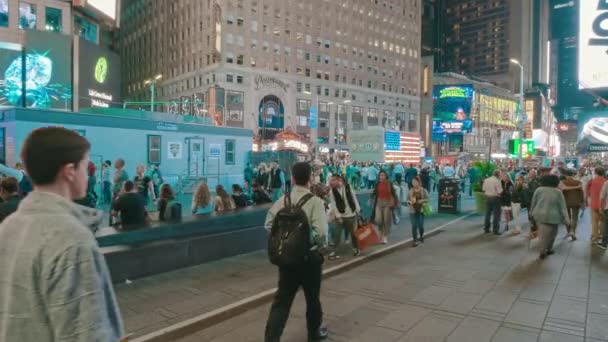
593,131
592,44
48,74
99,76
452,106
107,7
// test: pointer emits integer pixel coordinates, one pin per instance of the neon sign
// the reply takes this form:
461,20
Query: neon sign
457,92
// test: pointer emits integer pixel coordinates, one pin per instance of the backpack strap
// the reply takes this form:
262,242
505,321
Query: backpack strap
304,199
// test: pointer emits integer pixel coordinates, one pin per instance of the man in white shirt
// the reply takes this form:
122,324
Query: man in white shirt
492,188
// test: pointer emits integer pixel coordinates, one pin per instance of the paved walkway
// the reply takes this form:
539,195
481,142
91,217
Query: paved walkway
153,303
461,285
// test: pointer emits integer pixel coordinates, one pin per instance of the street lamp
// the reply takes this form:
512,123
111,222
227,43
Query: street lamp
521,121
152,83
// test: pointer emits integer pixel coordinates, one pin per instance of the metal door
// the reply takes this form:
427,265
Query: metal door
196,148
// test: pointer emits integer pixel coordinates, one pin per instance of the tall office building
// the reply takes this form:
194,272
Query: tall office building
263,64
479,37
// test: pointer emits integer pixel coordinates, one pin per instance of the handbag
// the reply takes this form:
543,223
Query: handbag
427,209
366,234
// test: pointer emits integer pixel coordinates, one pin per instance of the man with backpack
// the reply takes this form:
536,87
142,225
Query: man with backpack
298,227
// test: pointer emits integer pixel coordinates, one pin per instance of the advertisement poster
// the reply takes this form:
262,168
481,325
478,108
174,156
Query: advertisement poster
99,76
448,195
175,150
452,108
367,145
593,131
592,45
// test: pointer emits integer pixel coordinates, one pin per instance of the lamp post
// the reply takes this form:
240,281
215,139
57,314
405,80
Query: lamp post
521,120
152,83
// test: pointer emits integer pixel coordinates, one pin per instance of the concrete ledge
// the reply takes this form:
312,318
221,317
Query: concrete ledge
191,326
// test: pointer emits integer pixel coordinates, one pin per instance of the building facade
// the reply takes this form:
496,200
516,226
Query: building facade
319,68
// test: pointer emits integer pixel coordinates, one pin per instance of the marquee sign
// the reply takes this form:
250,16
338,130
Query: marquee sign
269,82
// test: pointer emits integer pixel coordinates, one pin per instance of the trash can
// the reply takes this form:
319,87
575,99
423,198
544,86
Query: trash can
449,196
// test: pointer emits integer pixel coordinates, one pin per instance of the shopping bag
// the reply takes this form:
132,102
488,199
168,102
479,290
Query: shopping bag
366,235
427,209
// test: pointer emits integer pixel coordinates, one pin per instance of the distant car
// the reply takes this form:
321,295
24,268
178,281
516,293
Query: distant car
595,131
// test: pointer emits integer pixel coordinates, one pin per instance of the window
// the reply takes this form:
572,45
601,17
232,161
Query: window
254,44
239,79
303,104
299,87
27,16
240,41
239,59
53,19
229,58
307,56
308,39
239,22
229,78
307,87
326,91
254,26
4,13
229,38
230,151
154,147
302,120
86,29
307,72
230,20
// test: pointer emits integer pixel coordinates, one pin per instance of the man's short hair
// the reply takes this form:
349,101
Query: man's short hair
129,186
301,172
600,171
9,185
550,181
108,163
496,173
47,150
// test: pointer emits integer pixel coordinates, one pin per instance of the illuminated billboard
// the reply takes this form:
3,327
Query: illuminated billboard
452,108
592,44
48,74
593,131
496,110
107,7
99,76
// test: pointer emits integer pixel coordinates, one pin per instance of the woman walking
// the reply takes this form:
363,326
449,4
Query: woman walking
517,197
417,198
345,209
548,209
505,198
385,200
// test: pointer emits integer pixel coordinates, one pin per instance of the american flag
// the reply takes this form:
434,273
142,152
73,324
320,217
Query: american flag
409,149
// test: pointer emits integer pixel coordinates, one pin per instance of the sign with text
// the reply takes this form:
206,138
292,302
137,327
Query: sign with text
592,44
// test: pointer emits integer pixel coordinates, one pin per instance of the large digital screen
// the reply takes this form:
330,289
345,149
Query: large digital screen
592,44
107,7
593,131
452,108
48,74
99,76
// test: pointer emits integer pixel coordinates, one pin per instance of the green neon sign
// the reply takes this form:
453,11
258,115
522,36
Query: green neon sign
453,92
101,70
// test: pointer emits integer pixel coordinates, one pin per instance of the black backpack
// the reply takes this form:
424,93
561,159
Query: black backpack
289,240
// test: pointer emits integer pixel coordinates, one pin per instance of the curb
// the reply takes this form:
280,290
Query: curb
203,321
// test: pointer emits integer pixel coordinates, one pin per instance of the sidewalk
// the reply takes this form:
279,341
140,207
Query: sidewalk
153,303
462,285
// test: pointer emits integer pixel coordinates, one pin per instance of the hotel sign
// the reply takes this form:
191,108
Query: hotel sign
269,82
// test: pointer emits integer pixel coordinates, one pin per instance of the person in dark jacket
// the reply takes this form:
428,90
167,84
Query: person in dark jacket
575,200
425,178
240,199
9,192
505,197
259,195
517,197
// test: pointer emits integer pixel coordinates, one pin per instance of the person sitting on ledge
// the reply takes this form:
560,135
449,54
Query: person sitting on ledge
168,208
131,207
223,201
201,202
240,199
258,195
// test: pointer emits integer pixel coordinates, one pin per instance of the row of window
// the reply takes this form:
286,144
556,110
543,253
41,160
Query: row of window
155,148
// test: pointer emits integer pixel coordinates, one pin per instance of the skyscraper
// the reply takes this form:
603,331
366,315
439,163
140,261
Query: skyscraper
263,65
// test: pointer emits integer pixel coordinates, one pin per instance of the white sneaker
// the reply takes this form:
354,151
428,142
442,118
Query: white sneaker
517,231
384,240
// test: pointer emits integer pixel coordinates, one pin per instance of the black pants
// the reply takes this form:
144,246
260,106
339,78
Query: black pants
290,279
493,209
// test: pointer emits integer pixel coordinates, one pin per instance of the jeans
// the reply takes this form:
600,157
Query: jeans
308,276
371,183
493,209
573,214
516,207
417,220
348,226
596,224
398,178
384,217
549,232
106,192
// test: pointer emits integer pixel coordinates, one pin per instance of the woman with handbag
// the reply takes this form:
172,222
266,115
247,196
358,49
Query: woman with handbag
505,198
417,198
385,200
